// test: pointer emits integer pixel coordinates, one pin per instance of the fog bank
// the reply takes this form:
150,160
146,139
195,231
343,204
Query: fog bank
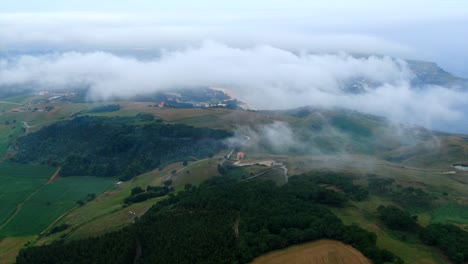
263,76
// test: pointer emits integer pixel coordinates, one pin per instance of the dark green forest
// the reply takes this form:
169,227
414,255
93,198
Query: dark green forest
408,197
139,195
396,218
105,108
118,146
450,239
221,221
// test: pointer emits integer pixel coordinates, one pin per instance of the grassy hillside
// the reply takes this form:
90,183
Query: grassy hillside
106,213
338,132
335,140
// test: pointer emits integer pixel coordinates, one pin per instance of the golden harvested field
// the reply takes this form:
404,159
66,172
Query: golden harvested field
10,246
317,252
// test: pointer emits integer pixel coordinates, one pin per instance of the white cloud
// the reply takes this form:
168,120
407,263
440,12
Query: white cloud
130,32
263,76
432,30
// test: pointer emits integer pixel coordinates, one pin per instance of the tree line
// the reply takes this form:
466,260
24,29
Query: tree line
119,146
221,221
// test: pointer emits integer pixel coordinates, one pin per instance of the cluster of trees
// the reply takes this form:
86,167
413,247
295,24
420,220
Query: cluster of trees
408,197
412,198
342,181
229,170
140,195
107,147
221,221
7,122
203,95
146,117
175,104
49,108
452,240
396,218
58,228
308,188
230,104
380,186
89,198
105,108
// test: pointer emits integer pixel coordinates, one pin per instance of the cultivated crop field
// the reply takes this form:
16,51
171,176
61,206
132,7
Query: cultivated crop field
18,182
105,213
50,202
317,252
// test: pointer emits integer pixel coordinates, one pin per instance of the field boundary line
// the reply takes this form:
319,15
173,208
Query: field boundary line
71,210
19,205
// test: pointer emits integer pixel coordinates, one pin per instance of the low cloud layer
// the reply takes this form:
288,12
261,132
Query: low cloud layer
437,32
89,31
263,76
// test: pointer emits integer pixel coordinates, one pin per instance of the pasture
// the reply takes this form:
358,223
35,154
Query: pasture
7,134
317,252
451,213
5,106
362,214
10,246
196,173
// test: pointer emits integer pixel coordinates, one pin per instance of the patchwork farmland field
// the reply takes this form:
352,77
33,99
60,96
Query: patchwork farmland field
18,182
50,202
106,213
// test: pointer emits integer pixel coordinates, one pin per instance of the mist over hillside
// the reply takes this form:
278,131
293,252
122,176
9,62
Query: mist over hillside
269,55
264,77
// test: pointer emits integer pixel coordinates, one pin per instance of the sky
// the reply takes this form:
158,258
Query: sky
271,54
435,30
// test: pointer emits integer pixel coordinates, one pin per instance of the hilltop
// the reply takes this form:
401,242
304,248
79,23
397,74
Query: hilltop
429,73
